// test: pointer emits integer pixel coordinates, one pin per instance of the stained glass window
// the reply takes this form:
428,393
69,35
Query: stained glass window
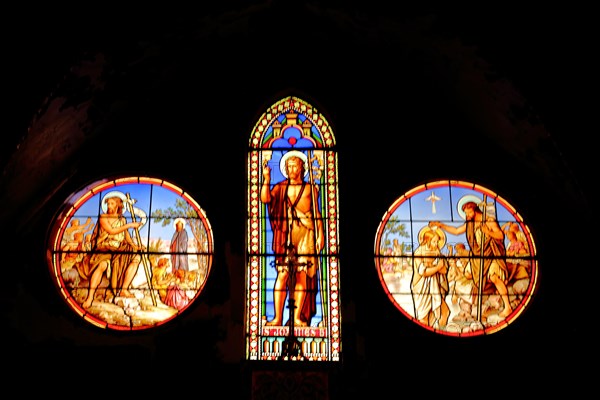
456,258
292,237
130,253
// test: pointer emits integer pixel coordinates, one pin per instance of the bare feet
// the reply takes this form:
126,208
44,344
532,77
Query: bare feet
126,293
276,322
506,312
87,303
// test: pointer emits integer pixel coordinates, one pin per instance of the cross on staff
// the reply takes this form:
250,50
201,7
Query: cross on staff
144,256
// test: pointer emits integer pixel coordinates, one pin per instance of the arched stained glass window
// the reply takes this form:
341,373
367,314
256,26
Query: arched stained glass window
292,237
456,258
130,253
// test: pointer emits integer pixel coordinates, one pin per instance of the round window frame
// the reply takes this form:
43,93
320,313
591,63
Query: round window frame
173,204
450,203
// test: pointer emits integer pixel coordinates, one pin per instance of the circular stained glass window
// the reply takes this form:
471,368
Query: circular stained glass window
130,253
456,258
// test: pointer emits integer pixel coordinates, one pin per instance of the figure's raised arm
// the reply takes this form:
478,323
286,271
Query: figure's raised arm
265,191
454,230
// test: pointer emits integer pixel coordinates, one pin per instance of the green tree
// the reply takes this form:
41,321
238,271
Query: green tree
394,227
182,209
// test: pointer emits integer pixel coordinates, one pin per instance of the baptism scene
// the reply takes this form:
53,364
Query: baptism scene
456,259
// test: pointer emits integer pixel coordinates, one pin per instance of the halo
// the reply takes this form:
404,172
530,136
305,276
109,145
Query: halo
288,155
114,193
441,234
465,199
178,220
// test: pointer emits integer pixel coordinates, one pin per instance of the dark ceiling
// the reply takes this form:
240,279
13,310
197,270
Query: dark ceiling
546,52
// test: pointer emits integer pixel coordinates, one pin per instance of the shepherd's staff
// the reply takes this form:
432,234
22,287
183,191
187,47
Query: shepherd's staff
315,204
144,256
482,259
